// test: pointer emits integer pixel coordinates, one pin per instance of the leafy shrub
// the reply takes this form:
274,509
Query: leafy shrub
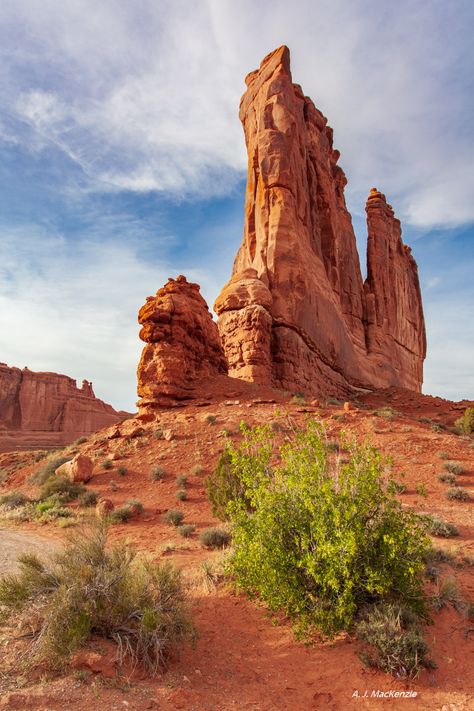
174,517
457,493
158,474
107,464
447,478
61,485
121,470
438,527
181,495
47,470
321,540
187,530
181,480
225,485
122,514
215,537
13,499
465,423
395,640
90,590
88,498
453,467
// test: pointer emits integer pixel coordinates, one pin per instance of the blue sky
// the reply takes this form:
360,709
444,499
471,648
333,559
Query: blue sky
122,160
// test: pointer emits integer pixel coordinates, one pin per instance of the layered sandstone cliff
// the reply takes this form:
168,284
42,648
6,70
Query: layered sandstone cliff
182,345
47,409
296,313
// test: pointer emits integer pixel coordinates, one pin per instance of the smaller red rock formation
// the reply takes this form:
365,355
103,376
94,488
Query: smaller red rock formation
42,410
182,349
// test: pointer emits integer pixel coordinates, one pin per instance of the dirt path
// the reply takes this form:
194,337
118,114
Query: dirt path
14,543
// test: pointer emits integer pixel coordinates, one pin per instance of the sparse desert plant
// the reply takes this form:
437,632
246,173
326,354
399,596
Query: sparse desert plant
457,493
187,530
47,470
399,487
439,555
81,440
447,593
90,589
88,498
158,474
395,641
333,401
425,420
122,470
174,517
13,499
181,495
107,464
438,527
453,467
447,478
420,488
61,485
158,433
215,537
443,455
196,470
181,480
136,505
211,419
320,541
298,399
387,413
113,485
121,514
465,423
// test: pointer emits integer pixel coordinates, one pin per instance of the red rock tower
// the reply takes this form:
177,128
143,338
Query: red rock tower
295,312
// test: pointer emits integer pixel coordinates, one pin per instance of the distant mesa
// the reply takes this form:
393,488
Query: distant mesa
44,410
295,313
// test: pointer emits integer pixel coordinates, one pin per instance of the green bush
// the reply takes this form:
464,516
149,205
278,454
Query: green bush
395,641
438,527
93,590
136,505
447,478
158,474
187,530
13,499
61,485
122,514
107,464
88,498
47,470
121,471
174,517
225,485
181,480
465,423
181,495
453,467
215,537
457,493
322,539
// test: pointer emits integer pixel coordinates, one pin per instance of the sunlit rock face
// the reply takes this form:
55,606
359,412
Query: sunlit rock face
296,313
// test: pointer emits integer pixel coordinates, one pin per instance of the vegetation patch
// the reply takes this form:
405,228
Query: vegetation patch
317,539
48,469
465,423
215,537
13,499
457,493
453,467
91,589
438,527
174,517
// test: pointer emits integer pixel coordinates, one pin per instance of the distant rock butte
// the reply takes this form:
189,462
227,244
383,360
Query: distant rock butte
296,314
182,345
43,410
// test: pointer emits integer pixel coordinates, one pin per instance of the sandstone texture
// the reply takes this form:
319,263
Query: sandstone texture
182,348
78,469
41,410
296,313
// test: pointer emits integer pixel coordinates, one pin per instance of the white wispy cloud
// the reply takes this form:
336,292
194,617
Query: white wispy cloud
144,95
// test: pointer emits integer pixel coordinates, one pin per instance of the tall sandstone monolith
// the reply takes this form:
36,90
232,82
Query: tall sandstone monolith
296,313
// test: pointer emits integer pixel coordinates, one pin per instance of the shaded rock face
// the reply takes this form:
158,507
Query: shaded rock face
296,313
182,349
47,409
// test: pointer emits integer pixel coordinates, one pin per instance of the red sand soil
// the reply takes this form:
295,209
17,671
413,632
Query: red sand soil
245,658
